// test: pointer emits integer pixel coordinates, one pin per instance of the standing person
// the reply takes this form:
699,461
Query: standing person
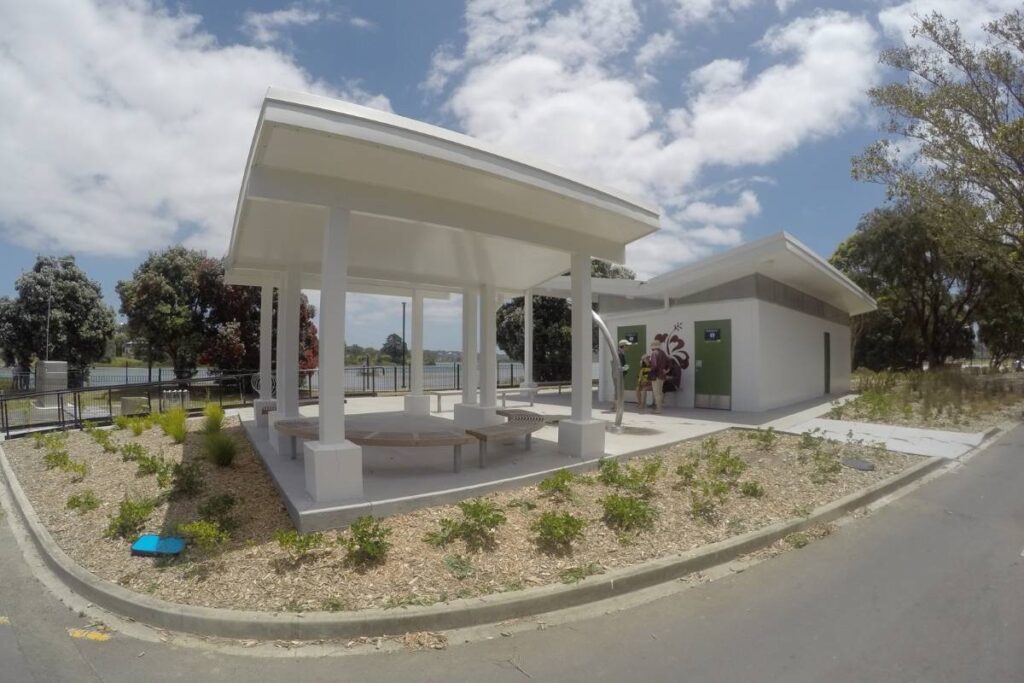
659,370
623,344
643,382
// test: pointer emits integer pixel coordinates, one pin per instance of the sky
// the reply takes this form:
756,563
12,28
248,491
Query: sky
125,124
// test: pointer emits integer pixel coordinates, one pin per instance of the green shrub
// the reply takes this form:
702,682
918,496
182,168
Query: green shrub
577,574
638,479
766,439
627,513
79,470
687,472
299,546
174,424
131,452
703,507
56,458
523,504
139,424
459,566
557,531
213,418
714,488
86,501
752,489
706,449
154,465
448,531
205,535
131,517
797,540
826,466
218,509
557,485
187,479
811,439
103,437
220,448
479,520
122,422
367,542
726,465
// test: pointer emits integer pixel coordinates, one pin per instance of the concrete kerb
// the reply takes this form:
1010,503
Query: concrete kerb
242,624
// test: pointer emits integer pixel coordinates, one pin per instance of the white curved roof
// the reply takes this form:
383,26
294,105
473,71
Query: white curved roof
430,206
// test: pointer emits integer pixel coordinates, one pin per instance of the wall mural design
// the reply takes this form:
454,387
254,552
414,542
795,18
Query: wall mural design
672,345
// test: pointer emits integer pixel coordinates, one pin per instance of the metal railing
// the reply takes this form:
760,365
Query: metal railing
21,413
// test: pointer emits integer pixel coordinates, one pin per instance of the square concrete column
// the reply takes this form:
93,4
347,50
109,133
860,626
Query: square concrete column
266,403
333,465
467,413
288,303
528,339
581,436
416,402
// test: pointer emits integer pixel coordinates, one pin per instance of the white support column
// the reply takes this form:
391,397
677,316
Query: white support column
416,402
266,403
333,465
528,340
288,302
481,415
466,413
582,435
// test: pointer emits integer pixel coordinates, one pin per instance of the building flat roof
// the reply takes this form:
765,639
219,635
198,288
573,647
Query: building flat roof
781,257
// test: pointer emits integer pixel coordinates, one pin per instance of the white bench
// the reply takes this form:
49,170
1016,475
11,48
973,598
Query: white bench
308,428
520,423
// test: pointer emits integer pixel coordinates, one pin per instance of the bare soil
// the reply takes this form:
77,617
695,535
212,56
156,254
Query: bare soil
253,572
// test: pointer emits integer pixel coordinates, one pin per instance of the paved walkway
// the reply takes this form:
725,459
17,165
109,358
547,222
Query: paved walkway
933,443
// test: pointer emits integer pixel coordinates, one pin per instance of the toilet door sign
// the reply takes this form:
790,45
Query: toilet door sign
712,334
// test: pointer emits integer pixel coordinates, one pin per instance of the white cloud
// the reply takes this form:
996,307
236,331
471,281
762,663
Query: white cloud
559,85
690,12
266,27
717,214
133,133
362,23
898,19
657,47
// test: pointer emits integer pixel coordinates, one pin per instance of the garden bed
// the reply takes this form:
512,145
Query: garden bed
945,399
253,571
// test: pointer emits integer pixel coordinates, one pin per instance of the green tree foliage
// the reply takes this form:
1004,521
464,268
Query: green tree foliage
1000,318
163,305
552,327
927,280
80,324
393,348
955,122
177,301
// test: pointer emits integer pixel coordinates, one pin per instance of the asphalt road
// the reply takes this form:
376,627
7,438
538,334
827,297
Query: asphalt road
931,588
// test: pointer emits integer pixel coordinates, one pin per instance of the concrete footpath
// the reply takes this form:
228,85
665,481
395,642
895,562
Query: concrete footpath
926,589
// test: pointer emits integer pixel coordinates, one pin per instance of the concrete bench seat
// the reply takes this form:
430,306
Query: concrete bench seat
308,428
510,430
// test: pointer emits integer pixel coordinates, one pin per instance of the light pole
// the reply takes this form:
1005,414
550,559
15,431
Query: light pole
49,303
403,344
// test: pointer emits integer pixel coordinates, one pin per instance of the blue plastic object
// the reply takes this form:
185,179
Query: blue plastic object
151,545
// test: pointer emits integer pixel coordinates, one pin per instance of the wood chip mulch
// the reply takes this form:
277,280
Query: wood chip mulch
253,572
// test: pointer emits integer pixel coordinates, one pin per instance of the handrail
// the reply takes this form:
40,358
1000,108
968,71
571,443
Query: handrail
616,368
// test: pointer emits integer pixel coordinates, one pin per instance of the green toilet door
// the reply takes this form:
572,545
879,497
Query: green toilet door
713,364
637,336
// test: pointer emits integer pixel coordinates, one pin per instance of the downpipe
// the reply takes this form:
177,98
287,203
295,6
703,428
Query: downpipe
616,370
